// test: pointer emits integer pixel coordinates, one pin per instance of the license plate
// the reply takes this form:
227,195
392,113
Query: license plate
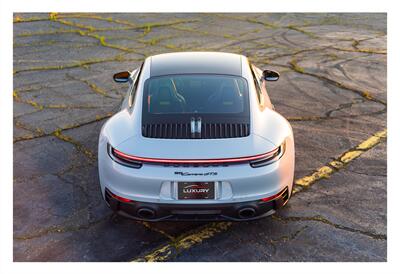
196,190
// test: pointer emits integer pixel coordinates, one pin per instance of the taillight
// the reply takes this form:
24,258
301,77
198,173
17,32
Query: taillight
122,158
137,161
271,158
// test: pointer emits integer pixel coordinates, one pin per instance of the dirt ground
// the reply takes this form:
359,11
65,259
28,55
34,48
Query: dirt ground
332,90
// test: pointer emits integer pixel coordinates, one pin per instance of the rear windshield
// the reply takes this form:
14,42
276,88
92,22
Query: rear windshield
198,93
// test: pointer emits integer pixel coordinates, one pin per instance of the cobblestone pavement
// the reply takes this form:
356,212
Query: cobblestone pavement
332,89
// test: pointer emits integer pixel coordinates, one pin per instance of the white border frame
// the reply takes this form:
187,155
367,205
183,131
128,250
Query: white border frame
6,104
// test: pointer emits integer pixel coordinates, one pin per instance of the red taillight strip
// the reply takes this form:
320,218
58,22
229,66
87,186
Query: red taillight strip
194,161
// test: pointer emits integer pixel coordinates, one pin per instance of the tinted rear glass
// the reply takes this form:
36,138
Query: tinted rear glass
198,93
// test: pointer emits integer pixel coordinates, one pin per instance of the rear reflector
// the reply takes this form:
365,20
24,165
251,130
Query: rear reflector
121,199
273,197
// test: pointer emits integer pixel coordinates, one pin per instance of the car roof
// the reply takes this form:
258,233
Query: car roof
196,62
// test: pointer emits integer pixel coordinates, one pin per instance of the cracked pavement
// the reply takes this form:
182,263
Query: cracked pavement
332,89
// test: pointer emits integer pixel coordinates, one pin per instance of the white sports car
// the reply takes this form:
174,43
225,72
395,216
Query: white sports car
196,138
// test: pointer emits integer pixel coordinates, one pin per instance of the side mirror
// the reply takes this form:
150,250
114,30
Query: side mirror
270,75
122,77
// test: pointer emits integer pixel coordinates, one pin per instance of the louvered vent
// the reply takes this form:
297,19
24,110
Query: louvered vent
208,130
212,131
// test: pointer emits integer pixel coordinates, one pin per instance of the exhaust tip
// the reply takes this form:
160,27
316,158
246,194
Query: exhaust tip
146,213
246,213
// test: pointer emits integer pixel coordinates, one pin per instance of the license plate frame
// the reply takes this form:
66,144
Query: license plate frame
196,190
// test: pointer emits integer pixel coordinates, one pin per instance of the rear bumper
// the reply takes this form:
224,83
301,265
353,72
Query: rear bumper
241,211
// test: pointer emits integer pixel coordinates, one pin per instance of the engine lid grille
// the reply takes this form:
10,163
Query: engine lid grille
208,130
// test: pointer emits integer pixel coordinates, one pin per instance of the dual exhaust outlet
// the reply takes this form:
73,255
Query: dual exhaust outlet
244,213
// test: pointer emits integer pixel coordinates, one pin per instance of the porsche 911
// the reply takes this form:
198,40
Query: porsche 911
196,138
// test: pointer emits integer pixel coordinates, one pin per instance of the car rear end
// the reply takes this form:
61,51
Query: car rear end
195,146
171,190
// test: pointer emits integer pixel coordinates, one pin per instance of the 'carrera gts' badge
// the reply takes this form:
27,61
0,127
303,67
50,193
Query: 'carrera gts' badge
196,174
